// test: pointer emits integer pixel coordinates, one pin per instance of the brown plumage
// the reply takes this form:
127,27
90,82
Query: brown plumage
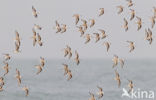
117,78
107,44
39,67
26,90
101,11
139,23
131,46
100,93
34,37
120,9
132,14
18,76
34,12
115,61
39,39
77,18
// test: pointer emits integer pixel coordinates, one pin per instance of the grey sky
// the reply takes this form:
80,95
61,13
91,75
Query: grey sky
17,15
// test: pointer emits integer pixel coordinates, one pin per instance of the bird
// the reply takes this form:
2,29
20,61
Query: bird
121,62
100,93
131,46
117,78
1,88
92,22
154,9
125,26
1,81
120,9
130,3
81,30
85,26
103,34
107,44
152,22
39,67
18,76
34,12
17,47
77,18
26,90
132,14
69,75
63,28
148,36
115,60
70,54
66,69
42,61
6,68
130,85
17,38
39,39
97,37
139,23
88,37
57,27
77,58
101,11
7,56
37,27
34,37
92,96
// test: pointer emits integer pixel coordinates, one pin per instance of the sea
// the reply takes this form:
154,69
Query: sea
51,84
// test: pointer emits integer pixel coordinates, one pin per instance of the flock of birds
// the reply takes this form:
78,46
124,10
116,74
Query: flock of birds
62,28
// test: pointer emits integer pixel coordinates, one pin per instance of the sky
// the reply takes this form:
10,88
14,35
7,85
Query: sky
17,15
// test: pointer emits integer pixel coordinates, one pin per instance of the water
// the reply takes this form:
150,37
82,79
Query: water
51,84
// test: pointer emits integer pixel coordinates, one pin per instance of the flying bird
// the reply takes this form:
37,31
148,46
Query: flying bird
34,37
103,34
42,61
88,37
132,14
26,90
37,27
92,22
130,3
77,18
63,28
115,60
120,9
100,93
39,39
7,57
69,75
125,26
139,23
117,78
152,22
92,96
34,12
101,11
18,76
77,58
130,85
131,46
121,62
39,67
107,44
57,27
97,37
66,69
81,30
6,68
